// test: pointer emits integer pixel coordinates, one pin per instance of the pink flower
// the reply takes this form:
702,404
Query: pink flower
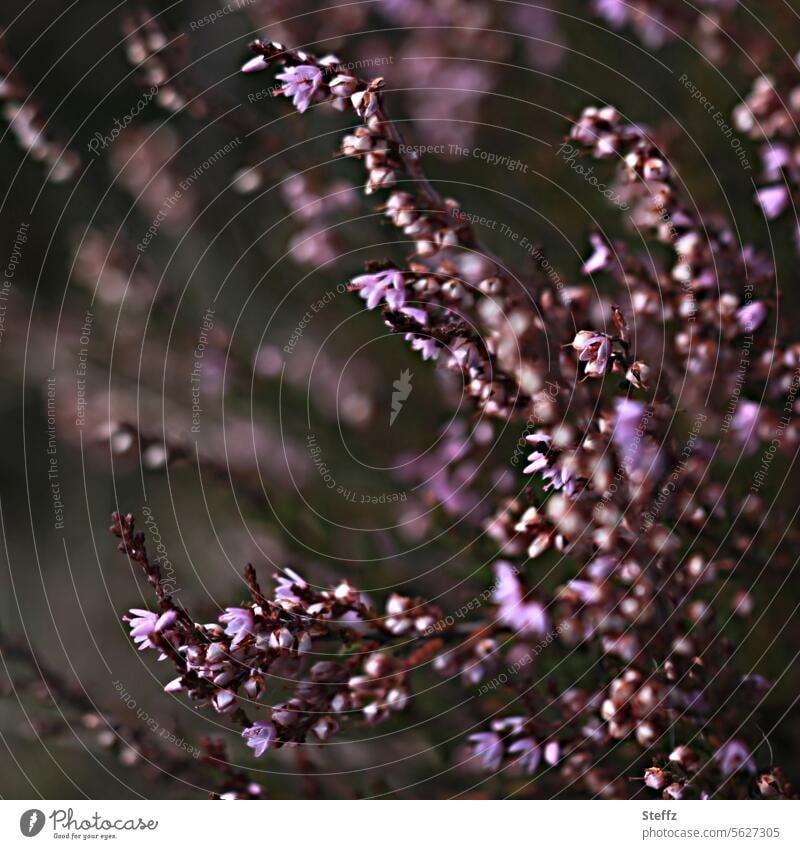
388,285
552,752
586,591
734,755
775,158
525,617
302,82
427,347
239,622
773,200
365,103
751,315
145,624
599,260
489,748
655,778
745,425
536,462
259,736
594,350
529,754
257,63
286,583
224,701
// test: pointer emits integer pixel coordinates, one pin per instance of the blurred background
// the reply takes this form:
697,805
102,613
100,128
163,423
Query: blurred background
177,342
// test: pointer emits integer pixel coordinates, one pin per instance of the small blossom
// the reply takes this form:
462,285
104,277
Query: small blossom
388,285
365,103
587,591
259,736
257,63
238,622
224,701
427,347
343,85
637,375
595,352
768,786
146,624
529,754
745,425
489,748
773,200
552,752
655,778
536,462
599,260
734,755
775,158
523,616
751,316
419,315
286,583
302,82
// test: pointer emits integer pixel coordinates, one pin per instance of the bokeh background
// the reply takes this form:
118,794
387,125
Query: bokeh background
254,224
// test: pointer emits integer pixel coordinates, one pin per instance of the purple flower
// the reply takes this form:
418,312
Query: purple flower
529,754
559,478
734,755
655,778
239,622
365,103
257,63
536,462
525,617
598,261
775,158
629,421
426,346
586,591
302,81
601,567
555,476
773,200
224,701
285,584
259,736
552,752
594,350
489,748
641,456
146,624
745,425
751,315
388,285
614,11
419,315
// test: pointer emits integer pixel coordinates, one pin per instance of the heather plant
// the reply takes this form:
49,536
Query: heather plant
605,493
